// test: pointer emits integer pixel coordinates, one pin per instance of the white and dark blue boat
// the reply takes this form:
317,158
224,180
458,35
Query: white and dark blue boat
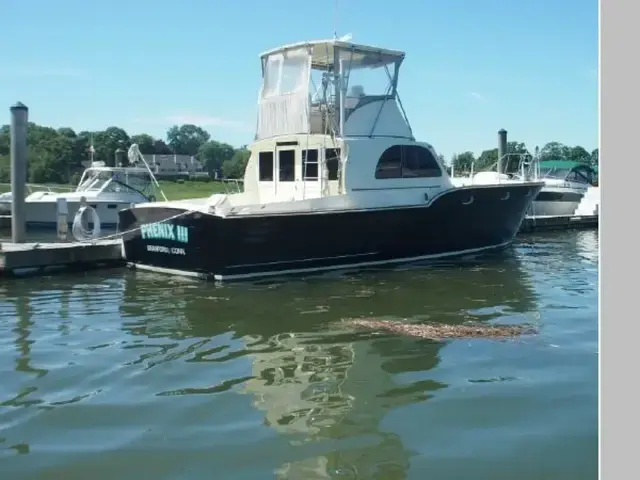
335,179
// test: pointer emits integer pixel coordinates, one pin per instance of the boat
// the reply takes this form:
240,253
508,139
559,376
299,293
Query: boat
106,189
570,187
335,180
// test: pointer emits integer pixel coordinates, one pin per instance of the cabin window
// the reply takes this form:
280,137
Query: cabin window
332,158
287,165
265,166
582,175
419,162
407,161
310,164
390,163
574,176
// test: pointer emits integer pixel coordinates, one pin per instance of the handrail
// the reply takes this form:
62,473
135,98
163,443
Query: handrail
236,181
37,186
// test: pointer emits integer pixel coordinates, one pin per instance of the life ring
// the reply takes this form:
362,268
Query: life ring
78,229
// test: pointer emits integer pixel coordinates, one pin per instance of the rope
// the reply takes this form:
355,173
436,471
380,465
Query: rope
133,230
134,154
78,229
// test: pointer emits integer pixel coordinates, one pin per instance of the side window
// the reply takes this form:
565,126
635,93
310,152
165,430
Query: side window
419,162
390,163
310,164
407,161
577,176
265,166
287,165
332,157
584,175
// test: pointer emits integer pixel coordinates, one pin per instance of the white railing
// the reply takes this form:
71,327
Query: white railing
524,164
36,187
236,182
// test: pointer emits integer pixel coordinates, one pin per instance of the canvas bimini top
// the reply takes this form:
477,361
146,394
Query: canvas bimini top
323,53
330,87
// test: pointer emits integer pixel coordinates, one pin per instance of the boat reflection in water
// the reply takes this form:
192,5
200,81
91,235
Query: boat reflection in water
323,386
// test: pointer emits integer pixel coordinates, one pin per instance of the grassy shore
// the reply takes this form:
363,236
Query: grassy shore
173,190
193,189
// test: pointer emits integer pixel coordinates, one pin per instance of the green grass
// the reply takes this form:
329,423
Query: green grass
192,189
173,190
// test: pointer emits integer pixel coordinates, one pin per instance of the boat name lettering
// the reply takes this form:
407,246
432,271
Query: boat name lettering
170,251
165,231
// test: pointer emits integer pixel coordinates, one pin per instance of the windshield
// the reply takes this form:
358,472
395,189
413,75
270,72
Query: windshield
93,181
559,173
115,181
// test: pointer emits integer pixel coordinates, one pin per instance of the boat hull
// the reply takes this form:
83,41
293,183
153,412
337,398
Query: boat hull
556,201
457,222
44,215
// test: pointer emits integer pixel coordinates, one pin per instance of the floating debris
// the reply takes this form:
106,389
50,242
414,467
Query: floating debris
441,331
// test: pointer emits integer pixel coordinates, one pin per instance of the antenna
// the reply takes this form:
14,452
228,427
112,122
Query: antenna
336,15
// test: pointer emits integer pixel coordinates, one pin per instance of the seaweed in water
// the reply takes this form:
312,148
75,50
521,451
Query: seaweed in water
441,331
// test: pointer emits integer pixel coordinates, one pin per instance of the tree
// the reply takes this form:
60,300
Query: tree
462,162
595,156
555,151
186,139
235,166
213,155
111,140
161,148
579,154
145,143
487,159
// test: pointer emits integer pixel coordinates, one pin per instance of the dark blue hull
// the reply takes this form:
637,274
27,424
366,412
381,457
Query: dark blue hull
256,245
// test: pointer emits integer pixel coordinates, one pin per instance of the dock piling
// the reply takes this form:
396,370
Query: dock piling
502,150
62,212
19,123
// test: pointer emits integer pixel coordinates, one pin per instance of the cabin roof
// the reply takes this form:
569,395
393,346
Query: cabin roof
322,53
566,164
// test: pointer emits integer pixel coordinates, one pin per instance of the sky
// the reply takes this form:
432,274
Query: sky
472,67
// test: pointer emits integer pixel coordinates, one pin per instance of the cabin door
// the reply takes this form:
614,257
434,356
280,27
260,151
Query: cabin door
285,174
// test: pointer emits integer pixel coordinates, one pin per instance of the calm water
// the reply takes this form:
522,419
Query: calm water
125,375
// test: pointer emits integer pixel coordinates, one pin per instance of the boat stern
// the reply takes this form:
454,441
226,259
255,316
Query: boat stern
168,238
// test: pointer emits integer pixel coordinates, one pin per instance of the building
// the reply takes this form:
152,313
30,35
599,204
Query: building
175,166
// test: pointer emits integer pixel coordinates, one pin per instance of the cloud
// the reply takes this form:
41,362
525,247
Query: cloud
39,72
195,119
478,97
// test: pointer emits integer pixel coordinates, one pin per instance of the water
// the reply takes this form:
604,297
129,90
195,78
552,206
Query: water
140,376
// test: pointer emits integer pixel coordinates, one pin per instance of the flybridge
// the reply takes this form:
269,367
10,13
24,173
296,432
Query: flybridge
330,87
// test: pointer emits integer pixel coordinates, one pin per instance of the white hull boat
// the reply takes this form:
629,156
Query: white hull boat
105,189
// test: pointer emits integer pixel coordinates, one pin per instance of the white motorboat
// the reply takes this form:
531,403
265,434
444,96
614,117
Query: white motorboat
106,189
570,187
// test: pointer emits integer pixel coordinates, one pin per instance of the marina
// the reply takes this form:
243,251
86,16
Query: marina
326,290
160,235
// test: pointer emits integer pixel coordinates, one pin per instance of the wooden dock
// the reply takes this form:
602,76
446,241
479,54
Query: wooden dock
37,258
553,222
